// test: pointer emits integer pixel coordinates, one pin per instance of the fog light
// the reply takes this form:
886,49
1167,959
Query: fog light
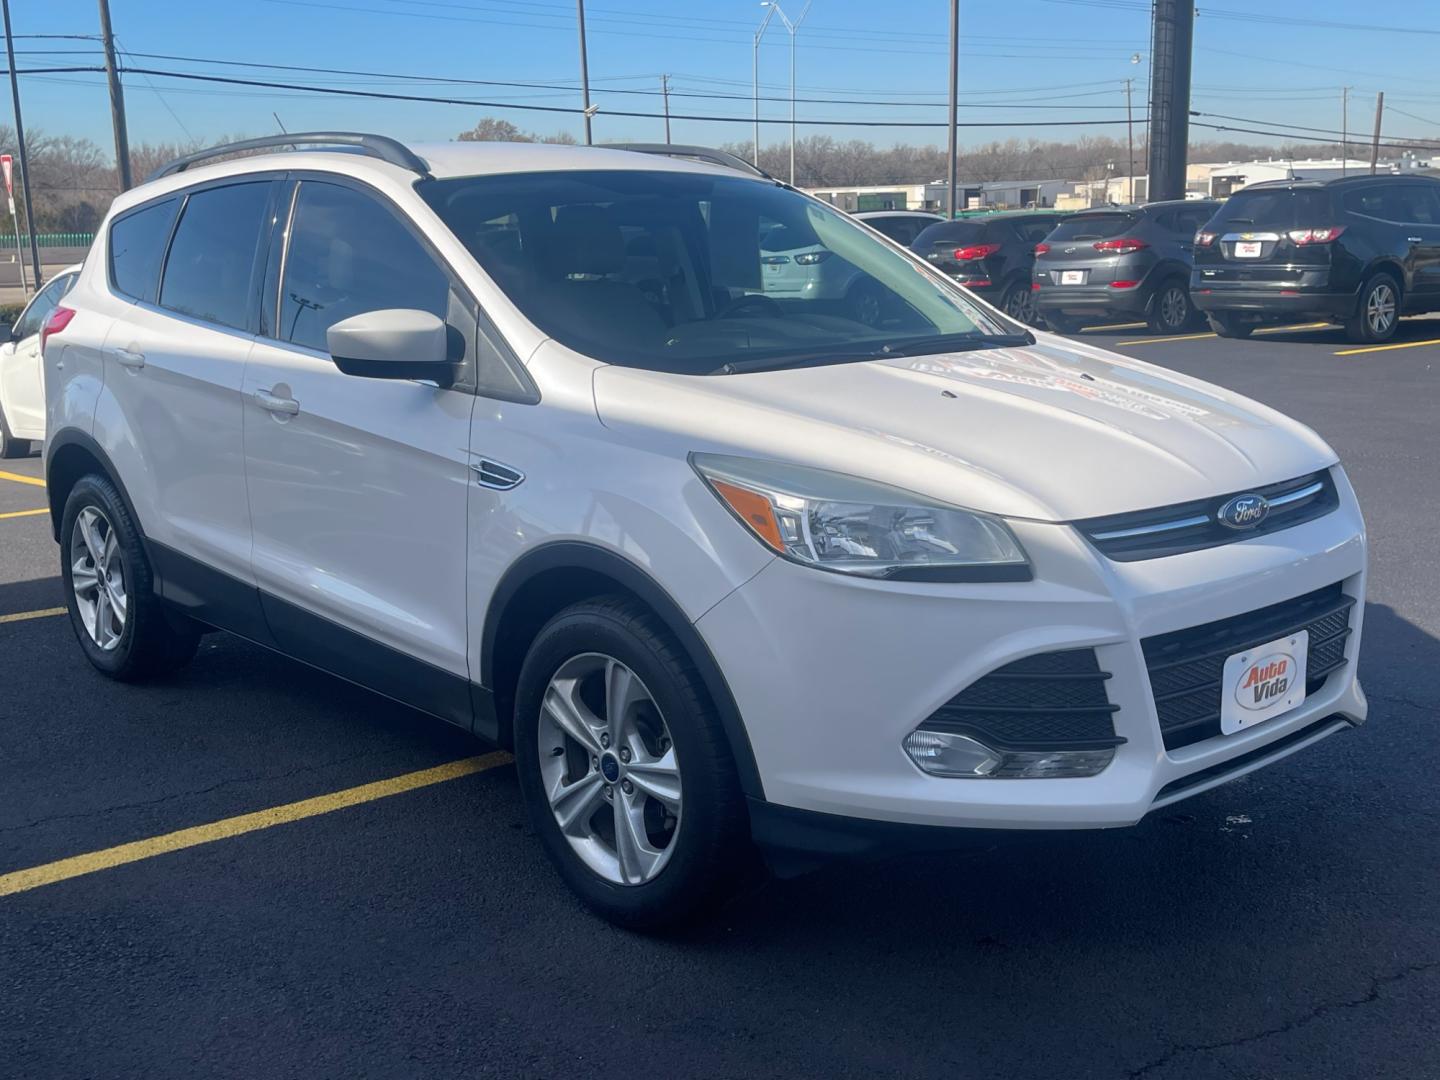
944,753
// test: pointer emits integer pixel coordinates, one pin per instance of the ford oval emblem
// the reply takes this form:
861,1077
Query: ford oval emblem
1244,511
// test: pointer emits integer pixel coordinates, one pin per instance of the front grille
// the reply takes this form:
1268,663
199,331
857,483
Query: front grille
1050,701
1186,666
1190,526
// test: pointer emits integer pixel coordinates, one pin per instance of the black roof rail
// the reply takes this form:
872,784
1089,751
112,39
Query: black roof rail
377,146
709,155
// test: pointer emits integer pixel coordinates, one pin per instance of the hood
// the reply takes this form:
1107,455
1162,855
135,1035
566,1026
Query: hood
1056,431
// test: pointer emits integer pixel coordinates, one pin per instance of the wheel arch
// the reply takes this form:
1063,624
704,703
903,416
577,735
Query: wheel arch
69,455
553,576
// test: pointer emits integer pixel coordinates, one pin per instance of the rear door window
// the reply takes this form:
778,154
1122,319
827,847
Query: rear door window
1416,204
1273,208
210,273
137,244
1092,227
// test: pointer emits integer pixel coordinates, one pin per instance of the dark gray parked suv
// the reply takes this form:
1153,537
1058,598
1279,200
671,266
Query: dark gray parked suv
1127,262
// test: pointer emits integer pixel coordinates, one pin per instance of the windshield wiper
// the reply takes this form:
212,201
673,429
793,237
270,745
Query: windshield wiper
936,343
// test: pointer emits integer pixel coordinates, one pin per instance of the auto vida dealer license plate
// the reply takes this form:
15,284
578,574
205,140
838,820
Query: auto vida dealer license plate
1261,683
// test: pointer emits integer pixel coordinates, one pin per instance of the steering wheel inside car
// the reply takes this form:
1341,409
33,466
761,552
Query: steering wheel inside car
763,304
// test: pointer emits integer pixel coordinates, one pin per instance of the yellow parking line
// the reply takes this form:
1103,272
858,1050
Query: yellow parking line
43,613
1302,326
21,479
1172,337
1384,348
1113,326
23,513
108,858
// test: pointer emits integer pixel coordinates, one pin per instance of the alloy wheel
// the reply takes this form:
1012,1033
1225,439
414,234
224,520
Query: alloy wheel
98,578
608,766
1020,305
1174,307
1380,308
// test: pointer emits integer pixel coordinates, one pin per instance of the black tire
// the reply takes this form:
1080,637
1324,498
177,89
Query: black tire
1170,309
710,852
1227,325
11,447
1377,315
1062,324
865,303
153,641
1018,301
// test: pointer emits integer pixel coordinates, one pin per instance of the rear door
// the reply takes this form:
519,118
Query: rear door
358,486
22,387
174,365
1417,207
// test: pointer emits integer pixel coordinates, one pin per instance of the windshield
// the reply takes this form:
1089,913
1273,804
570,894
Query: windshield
698,274
1275,207
1091,227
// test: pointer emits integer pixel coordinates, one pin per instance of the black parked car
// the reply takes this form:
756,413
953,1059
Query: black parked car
1128,262
1361,250
991,256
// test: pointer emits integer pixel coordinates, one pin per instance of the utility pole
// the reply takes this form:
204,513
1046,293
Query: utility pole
755,78
953,150
1344,128
117,98
665,94
1173,35
1375,141
1130,138
20,152
584,69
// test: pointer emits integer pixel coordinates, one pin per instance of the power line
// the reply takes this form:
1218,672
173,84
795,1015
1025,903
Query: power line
473,103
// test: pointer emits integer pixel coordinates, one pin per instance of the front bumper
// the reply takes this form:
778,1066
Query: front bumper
831,673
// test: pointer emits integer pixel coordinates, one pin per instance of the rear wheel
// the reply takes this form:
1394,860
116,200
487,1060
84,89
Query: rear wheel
626,774
1062,324
1378,314
122,626
1228,325
1170,310
1018,301
864,303
11,447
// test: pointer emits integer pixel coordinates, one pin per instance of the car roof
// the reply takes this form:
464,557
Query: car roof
1338,181
926,214
442,160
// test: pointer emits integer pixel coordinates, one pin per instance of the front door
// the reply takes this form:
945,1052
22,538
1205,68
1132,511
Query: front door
357,486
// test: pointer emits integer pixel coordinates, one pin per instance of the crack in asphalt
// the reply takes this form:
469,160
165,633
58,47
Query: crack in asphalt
252,779
1371,995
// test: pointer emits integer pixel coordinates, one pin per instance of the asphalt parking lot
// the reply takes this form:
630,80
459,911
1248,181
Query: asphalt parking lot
1285,925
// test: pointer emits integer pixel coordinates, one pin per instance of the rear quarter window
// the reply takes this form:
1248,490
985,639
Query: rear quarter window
137,244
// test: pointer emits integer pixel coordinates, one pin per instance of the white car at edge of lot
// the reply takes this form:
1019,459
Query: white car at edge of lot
22,391
723,572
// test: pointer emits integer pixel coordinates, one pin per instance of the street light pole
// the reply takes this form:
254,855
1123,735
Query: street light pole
584,68
792,27
20,150
755,78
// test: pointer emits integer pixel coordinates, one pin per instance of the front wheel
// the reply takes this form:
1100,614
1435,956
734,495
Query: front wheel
624,769
121,624
1227,325
1377,316
1170,310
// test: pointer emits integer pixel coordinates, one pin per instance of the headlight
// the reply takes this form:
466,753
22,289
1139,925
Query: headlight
836,522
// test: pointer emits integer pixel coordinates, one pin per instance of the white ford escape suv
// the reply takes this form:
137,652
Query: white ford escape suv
516,435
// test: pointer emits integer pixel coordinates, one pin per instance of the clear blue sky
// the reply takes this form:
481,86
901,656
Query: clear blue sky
1043,59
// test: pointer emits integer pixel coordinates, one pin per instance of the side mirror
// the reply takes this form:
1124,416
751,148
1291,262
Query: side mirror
394,343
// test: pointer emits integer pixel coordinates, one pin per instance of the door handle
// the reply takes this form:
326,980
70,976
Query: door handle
281,405
130,359
1414,239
